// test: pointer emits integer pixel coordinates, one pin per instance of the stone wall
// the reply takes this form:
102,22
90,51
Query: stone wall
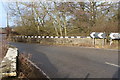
64,41
80,41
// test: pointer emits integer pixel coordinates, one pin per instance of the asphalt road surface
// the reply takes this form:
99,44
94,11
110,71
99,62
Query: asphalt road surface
72,62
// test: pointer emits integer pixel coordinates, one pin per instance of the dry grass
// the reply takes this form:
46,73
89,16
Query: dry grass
3,48
107,46
24,69
29,70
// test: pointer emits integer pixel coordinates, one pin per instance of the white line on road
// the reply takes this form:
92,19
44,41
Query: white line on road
112,64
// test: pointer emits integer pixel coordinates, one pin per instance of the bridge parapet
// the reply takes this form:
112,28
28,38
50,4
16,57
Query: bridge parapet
9,63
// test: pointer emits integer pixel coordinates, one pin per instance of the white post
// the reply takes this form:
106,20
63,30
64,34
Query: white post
111,41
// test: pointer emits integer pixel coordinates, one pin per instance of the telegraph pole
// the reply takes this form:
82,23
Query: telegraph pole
119,16
7,21
7,28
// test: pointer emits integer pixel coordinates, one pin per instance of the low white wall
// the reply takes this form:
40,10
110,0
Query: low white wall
9,63
75,40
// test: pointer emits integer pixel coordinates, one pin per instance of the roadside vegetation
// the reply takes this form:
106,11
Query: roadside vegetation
3,47
64,18
3,50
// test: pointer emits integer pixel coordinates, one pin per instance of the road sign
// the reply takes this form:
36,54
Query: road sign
100,35
114,35
92,35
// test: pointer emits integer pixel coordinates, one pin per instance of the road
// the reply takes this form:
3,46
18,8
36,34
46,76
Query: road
72,62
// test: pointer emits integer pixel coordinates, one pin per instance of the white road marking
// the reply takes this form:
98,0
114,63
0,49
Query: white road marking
112,64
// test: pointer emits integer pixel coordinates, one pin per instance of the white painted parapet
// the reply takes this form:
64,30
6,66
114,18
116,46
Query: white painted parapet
38,37
9,63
